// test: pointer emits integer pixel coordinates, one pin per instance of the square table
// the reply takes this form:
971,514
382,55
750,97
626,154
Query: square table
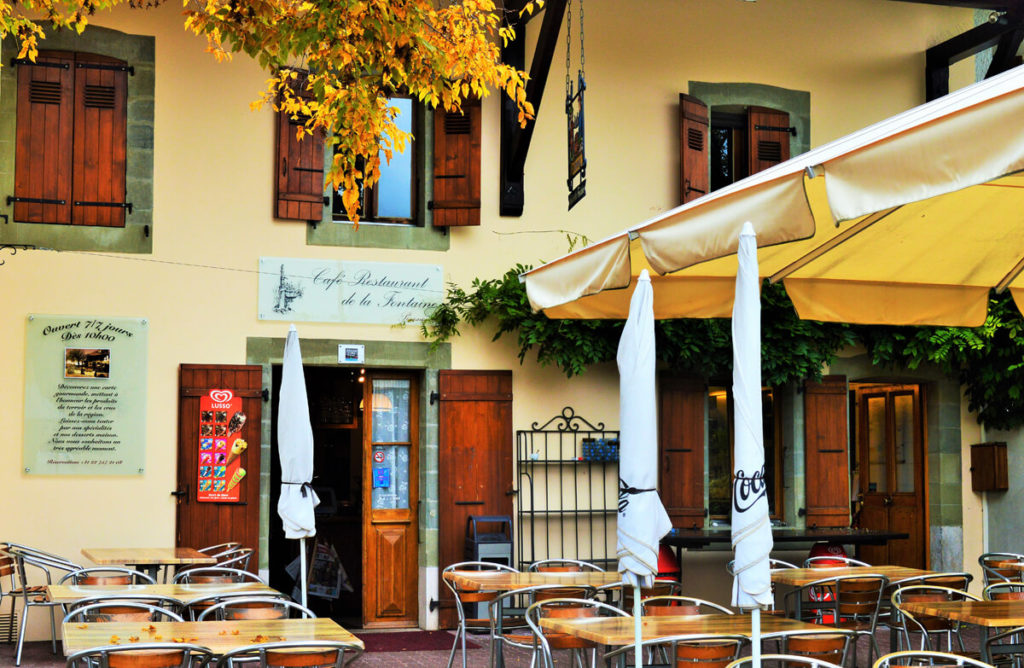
218,637
507,580
149,559
798,577
186,593
991,614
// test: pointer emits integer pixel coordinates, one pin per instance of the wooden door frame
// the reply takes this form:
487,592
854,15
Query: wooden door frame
888,391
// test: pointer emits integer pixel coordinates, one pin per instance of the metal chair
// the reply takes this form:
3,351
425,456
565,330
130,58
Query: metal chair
927,658
785,661
688,650
106,575
674,605
467,597
563,566
850,602
215,574
235,558
120,611
543,642
319,653
153,600
255,607
218,549
832,645
1007,644
35,595
927,625
831,561
993,572
661,587
144,655
1003,591
192,609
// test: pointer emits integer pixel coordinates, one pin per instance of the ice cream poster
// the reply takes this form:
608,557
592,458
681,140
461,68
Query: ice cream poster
221,447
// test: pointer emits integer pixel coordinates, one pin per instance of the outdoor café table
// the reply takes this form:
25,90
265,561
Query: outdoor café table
982,613
186,593
149,559
219,637
619,631
799,577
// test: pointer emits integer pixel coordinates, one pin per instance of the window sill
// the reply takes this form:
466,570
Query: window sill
378,235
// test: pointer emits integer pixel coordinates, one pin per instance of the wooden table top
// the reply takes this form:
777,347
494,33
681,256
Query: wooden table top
219,637
620,630
185,593
982,613
506,581
798,577
136,556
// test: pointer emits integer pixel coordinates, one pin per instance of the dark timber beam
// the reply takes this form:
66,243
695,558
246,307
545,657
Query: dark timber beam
999,33
515,140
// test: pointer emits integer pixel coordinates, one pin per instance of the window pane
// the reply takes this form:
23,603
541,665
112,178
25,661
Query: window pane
390,409
394,191
719,452
904,405
390,477
878,477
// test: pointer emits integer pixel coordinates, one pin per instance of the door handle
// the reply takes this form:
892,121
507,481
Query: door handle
469,503
887,501
180,494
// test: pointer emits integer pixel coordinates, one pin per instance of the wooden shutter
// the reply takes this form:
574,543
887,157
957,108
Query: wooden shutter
42,164
768,136
100,151
681,450
300,169
694,177
457,166
474,463
827,461
203,524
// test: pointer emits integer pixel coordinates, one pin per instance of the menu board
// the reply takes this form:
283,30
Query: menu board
221,447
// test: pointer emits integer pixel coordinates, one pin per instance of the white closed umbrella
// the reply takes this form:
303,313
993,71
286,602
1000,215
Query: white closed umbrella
295,448
642,520
751,526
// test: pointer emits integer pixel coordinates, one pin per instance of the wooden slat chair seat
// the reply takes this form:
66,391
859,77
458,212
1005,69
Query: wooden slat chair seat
297,654
993,572
120,611
830,645
690,650
215,575
1004,591
675,605
144,655
195,607
105,576
917,658
546,641
255,607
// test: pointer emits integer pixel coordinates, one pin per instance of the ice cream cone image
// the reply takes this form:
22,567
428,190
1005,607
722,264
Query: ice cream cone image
235,479
237,448
236,422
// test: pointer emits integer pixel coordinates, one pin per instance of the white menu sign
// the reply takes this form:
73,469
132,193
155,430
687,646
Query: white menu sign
348,291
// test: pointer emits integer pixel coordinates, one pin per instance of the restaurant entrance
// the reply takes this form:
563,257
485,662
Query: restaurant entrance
891,470
356,413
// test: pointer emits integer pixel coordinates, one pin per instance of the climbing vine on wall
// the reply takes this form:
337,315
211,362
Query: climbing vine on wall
988,360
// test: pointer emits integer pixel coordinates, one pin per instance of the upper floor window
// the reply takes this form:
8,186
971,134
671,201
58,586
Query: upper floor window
71,147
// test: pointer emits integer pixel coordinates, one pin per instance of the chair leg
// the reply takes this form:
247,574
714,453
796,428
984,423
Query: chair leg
21,635
451,656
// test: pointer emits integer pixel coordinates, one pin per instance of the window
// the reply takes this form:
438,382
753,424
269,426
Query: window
71,152
393,198
720,449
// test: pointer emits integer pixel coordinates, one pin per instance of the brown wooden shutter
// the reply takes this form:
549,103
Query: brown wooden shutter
827,461
100,151
694,176
203,524
474,463
768,136
42,169
681,450
457,166
300,169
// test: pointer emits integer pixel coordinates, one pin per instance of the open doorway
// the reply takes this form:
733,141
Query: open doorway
335,410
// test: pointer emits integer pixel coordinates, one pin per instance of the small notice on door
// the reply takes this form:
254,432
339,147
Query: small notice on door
221,447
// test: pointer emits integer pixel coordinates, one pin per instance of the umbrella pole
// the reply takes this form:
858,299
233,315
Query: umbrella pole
755,637
637,635
302,568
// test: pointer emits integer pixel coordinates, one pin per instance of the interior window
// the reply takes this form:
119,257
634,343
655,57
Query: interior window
728,149
393,198
720,444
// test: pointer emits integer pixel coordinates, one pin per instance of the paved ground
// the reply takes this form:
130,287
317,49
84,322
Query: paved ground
38,655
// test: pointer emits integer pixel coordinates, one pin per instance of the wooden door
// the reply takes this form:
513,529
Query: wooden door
475,462
891,469
826,458
200,524
390,499
681,450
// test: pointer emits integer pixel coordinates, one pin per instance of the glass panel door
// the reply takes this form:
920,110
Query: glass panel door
389,436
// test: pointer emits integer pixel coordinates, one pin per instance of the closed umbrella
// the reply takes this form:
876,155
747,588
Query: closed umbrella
295,448
751,526
642,520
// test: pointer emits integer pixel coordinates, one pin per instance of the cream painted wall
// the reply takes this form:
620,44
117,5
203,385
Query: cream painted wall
973,502
860,60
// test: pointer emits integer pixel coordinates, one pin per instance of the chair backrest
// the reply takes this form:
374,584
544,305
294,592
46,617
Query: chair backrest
779,564
143,655
564,607
307,654
255,607
215,574
1006,643
993,572
1003,591
675,605
953,579
116,610
924,657
859,596
219,548
829,645
691,650
106,575
467,595
563,566
235,558
832,561
784,660
661,587
192,609
923,623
